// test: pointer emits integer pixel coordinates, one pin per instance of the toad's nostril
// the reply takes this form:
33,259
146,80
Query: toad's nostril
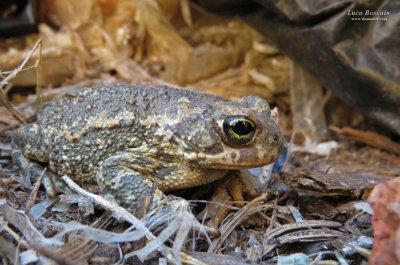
277,137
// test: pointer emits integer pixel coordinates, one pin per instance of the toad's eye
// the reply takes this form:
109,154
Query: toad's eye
238,130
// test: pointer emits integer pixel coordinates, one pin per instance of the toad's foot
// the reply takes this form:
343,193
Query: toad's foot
33,171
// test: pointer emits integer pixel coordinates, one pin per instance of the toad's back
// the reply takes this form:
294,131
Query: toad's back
82,128
118,101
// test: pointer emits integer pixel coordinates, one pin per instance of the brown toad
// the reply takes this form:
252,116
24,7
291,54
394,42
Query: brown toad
143,140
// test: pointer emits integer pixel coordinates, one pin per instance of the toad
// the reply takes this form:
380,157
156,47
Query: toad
144,140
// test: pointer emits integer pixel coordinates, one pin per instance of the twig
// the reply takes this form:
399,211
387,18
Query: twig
38,65
3,98
34,192
120,213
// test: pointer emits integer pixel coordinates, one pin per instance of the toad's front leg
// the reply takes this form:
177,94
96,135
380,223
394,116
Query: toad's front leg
121,183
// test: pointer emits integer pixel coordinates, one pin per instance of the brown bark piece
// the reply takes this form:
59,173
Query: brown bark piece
349,184
369,138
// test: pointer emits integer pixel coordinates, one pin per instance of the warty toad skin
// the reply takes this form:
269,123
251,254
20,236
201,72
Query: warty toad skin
143,140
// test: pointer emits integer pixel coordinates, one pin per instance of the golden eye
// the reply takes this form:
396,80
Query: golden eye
238,130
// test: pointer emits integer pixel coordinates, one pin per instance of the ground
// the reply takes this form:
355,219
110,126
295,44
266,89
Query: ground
317,205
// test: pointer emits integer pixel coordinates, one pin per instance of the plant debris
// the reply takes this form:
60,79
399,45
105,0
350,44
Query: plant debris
315,210
370,138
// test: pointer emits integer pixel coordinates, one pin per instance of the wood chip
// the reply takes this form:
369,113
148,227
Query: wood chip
369,138
349,184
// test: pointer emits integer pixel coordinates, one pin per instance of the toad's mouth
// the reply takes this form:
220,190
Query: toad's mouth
243,158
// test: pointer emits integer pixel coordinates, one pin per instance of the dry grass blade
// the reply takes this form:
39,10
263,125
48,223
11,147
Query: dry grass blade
3,83
310,235
22,223
272,220
360,250
79,250
3,185
31,237
256,205
297,226
187,259
49,253
4,226
219,259
186,15
33,195
302,231
7,249
122,213
38,65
